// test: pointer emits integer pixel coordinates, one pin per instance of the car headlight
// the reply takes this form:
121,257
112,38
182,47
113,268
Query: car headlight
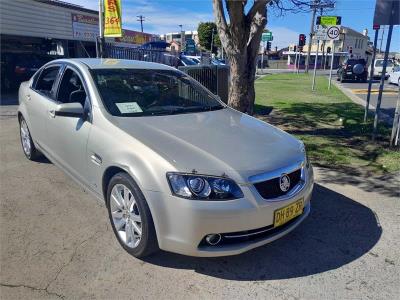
306,159
200,187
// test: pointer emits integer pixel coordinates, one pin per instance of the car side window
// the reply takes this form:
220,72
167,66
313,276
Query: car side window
71,88
46,80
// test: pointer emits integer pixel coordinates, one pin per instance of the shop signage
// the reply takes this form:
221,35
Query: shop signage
85,27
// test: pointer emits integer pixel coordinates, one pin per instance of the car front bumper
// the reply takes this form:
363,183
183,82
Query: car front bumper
182,224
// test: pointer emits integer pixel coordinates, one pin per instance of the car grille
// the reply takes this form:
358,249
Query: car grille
270,189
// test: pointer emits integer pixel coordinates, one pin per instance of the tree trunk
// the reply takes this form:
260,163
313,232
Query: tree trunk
241,41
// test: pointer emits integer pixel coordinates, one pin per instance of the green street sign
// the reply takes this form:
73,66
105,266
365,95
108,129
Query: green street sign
329,20
267,36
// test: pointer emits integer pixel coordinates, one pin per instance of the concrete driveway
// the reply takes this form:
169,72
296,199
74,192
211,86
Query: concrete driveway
56,242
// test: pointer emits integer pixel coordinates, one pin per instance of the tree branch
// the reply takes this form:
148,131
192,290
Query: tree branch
222,26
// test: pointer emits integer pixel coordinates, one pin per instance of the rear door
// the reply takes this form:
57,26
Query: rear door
40,96
67,136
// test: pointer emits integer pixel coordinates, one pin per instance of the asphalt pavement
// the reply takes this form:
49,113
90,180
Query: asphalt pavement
56,243
389,95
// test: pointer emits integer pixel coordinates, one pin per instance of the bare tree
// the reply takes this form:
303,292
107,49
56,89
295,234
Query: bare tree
241,38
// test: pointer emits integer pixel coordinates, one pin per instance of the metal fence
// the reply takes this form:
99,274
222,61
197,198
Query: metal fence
213,77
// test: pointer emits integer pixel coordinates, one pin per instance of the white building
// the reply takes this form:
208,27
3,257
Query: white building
352,44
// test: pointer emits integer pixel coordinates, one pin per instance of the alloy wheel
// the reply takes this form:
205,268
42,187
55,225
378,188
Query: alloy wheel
125,215
25,138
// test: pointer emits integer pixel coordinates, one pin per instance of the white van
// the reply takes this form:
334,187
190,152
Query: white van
378,67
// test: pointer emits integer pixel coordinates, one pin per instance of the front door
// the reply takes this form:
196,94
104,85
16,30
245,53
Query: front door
39,97
67,136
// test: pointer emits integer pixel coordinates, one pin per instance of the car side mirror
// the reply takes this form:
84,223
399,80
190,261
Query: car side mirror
74,110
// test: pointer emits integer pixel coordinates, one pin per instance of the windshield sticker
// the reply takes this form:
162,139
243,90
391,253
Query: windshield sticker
129,107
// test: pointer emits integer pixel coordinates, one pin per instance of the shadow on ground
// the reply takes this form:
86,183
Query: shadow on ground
335,136
337,232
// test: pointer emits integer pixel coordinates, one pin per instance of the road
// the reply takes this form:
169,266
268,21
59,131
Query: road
56,242
389,96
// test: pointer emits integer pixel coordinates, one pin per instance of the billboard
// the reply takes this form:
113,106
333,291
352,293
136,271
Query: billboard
135,37
85,27
387,12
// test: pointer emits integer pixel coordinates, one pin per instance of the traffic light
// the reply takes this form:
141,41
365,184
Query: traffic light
302,39
295,48
328,50
268,46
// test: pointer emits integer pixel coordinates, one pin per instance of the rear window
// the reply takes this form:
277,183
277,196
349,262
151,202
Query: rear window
379,63
356,61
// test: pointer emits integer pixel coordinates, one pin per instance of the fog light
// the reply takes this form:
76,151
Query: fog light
213,239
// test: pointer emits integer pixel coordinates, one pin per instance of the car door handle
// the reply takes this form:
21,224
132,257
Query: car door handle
28,97
52,113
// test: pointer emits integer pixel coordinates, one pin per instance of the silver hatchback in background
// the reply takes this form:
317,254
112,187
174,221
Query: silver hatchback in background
177,168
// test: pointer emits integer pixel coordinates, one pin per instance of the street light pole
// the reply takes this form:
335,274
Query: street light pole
212,40
100,52
180,25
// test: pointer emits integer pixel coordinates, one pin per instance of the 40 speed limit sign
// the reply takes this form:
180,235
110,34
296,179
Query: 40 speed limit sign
333,33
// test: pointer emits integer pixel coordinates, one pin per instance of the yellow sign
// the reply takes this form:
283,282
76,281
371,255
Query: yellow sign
328,21
112,18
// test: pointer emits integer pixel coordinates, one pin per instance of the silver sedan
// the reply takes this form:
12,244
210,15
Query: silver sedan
177,168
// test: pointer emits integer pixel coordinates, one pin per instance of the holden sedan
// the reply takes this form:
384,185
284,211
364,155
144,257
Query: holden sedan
178,169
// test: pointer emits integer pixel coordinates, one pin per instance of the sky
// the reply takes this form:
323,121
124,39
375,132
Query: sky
162,16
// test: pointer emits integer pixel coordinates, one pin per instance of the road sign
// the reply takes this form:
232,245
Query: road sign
333,33
323,33
320,33
329,20
267,36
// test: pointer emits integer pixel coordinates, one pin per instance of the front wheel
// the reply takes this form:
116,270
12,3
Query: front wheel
28,146
130,216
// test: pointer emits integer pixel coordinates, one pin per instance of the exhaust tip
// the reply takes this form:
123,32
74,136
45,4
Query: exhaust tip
213,239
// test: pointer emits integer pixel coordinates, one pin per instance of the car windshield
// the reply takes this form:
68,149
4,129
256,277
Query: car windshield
139,92
379,63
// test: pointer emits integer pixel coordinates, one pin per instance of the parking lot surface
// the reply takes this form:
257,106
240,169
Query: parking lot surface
56,242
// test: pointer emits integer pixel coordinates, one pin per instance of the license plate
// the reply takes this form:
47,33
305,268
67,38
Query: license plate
287,213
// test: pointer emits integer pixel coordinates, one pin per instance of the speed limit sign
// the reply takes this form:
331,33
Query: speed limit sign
333,33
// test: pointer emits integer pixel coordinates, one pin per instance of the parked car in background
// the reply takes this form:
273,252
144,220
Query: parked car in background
19,67
196,59
353,69
394,76
378,68
177,61
156,146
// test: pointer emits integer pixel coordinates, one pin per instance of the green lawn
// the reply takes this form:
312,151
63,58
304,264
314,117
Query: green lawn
329,123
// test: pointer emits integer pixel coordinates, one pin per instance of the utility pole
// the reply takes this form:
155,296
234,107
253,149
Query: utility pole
141,19
314,6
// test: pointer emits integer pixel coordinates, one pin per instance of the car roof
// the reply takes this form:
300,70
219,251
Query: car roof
112,63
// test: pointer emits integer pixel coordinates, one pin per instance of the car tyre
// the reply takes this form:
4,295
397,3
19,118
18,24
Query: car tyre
130,216
28,147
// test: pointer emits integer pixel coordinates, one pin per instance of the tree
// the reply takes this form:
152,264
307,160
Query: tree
241,39
205,32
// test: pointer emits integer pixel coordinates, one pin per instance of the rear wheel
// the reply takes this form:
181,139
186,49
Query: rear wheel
130,216
28,146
